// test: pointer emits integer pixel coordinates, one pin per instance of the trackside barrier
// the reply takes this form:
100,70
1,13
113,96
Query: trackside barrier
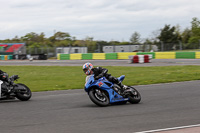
10,57
147,58
58,56
125,55
87,56
185,55
64,56
140,58
98,56
165,55
6,57
151,54
197,55
111,56
2,57
75,56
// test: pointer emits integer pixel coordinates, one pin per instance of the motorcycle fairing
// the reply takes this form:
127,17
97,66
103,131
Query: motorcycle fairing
115,97
105,85
121,78
19,88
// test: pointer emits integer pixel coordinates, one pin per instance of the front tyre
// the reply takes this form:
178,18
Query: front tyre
134,96
99,97
24,95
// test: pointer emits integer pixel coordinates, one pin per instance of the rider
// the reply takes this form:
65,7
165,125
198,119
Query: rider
99,72
4,77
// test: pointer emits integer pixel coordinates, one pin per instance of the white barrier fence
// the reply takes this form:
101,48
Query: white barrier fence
139,58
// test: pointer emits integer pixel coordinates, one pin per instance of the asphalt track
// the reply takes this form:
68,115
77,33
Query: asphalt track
71,111
154,62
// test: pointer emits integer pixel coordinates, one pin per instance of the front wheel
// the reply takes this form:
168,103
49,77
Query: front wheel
134,96
99,97
24,95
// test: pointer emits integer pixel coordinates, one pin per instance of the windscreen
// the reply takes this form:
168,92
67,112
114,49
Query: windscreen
87,78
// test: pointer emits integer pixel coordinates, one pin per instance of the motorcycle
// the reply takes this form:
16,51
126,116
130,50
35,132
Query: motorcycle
103,92
10,90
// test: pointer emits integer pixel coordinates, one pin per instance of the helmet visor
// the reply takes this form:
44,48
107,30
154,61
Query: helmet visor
85,70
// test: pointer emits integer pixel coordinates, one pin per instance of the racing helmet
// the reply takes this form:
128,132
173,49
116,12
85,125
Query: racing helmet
4,76
87,68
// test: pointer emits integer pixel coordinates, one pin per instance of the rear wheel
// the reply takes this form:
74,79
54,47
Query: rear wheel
134,96
99,97
24,95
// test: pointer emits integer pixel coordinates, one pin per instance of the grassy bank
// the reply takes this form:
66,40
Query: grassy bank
43,78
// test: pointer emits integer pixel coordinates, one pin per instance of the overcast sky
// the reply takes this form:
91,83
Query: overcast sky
101,19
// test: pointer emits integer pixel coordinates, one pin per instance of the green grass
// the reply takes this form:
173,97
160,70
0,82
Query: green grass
44,78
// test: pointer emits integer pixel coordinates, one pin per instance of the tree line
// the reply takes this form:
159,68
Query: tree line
169,35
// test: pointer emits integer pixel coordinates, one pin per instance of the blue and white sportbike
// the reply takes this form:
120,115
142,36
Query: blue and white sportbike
103,92
10,90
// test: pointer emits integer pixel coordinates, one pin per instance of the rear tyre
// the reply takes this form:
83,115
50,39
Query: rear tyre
134,97
25,95
99,97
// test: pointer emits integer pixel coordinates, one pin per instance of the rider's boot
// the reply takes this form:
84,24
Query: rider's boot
122,87
123,91
119,83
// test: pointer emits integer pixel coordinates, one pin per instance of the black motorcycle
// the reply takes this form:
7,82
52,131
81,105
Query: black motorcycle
10,90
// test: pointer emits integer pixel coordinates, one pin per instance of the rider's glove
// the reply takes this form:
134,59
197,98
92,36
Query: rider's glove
99,76
16,77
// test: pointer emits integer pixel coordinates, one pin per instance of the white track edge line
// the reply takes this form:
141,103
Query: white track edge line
166,129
